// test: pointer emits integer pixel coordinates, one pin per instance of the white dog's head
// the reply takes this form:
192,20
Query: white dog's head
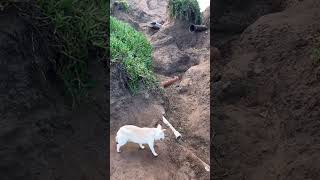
159,133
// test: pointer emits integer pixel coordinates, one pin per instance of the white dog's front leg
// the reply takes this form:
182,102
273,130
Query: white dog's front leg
152,148
118,148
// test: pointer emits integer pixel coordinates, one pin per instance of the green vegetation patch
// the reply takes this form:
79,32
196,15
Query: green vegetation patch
82,25
185,10
133,50
316,55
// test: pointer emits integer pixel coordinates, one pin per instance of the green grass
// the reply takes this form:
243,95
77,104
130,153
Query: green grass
81,25
185,10
316,55
132,49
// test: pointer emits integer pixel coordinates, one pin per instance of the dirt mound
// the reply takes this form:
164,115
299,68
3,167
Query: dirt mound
41,137
267,120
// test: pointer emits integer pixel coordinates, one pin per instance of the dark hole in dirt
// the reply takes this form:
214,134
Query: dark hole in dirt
192,28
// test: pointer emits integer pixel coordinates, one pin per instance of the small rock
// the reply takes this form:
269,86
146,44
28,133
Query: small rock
183,90
146,95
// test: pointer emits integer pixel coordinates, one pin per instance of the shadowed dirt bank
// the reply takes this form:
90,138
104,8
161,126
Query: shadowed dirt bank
41,137
266,112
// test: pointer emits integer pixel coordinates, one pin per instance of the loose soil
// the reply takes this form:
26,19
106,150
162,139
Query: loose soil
266,103
176,51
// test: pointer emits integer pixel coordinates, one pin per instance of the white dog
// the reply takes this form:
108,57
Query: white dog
130,133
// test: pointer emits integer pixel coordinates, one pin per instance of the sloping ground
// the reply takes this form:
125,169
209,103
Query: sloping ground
267,114
41,137
189,104
175,52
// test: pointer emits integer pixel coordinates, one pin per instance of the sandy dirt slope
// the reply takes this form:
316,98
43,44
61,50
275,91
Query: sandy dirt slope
176,52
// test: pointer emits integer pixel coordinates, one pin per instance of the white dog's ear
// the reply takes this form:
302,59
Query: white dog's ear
159,126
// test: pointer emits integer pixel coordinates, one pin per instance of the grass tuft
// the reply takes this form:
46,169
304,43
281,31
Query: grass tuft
132,49
185,10
82,25
316,55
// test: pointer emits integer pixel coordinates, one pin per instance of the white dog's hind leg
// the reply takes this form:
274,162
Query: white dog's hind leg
152,148
141,146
